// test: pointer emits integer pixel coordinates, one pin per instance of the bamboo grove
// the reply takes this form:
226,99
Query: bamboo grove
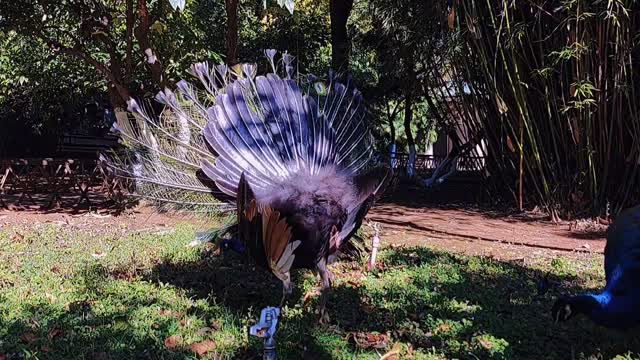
552,87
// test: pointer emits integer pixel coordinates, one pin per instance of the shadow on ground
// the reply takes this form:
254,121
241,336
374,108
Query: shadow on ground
463,307
65,203
466,308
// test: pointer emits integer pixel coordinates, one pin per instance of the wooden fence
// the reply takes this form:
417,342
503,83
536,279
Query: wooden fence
76,179
22,179
425,164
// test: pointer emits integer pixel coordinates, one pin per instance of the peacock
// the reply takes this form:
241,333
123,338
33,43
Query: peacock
292,156
618,305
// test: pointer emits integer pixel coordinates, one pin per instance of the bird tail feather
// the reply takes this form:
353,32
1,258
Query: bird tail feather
265,127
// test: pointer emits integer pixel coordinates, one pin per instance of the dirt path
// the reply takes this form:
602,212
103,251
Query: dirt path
464,230
476,232
138,219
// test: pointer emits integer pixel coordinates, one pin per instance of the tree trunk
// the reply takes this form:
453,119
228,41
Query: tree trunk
408,111
131,20
392,133
232,31
340,44
119,95
392,129
142,35
408,118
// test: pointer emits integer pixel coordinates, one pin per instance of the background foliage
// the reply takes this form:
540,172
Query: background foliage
552,88
556,89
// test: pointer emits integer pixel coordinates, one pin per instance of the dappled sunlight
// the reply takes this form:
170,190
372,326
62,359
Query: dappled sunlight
152,296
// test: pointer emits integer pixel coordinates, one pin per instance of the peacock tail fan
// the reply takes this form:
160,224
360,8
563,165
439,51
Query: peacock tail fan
276,130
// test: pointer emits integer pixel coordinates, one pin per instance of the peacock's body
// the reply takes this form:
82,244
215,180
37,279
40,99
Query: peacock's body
295,158
618,305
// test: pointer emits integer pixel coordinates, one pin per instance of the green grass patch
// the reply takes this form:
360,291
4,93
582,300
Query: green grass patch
71,295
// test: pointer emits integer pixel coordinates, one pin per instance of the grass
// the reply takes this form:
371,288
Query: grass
75,295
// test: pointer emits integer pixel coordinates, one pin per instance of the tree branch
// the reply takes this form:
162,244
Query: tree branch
142,35
340,43
129,37
59,48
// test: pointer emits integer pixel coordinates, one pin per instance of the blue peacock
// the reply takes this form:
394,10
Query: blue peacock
293,158
618,305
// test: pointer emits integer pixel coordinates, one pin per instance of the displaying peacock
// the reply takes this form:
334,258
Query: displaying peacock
618,305
293,158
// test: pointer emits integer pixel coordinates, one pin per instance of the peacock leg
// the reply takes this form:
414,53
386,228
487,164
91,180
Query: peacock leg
326,278
287,288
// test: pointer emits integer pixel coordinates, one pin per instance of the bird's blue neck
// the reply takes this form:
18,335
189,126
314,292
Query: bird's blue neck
608,310
588,304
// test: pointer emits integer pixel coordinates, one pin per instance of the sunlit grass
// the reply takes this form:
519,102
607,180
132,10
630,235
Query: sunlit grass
72,295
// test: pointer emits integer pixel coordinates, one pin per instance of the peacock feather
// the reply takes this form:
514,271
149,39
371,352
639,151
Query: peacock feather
292,156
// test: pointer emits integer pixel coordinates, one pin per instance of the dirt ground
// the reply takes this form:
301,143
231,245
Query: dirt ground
462,229
138,219
478,232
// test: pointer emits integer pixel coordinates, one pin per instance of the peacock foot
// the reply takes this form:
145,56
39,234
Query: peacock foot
324,317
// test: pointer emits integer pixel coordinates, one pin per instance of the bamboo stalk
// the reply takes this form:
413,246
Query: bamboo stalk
559,85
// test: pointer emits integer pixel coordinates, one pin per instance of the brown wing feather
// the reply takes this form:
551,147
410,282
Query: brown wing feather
261,223
249,227
282,235
276,234
266,217
251,210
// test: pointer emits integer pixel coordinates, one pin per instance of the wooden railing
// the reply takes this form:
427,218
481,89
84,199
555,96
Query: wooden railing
427,163
22,179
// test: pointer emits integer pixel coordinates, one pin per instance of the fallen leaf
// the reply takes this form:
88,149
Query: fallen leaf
203,347
394,353
371,340
309,295
443,328
215,325
99,254
485,344
203,330
173,341
54,333
28,337
45,349
17,237
50,297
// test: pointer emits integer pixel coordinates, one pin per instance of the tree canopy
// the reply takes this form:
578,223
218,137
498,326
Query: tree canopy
463,69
